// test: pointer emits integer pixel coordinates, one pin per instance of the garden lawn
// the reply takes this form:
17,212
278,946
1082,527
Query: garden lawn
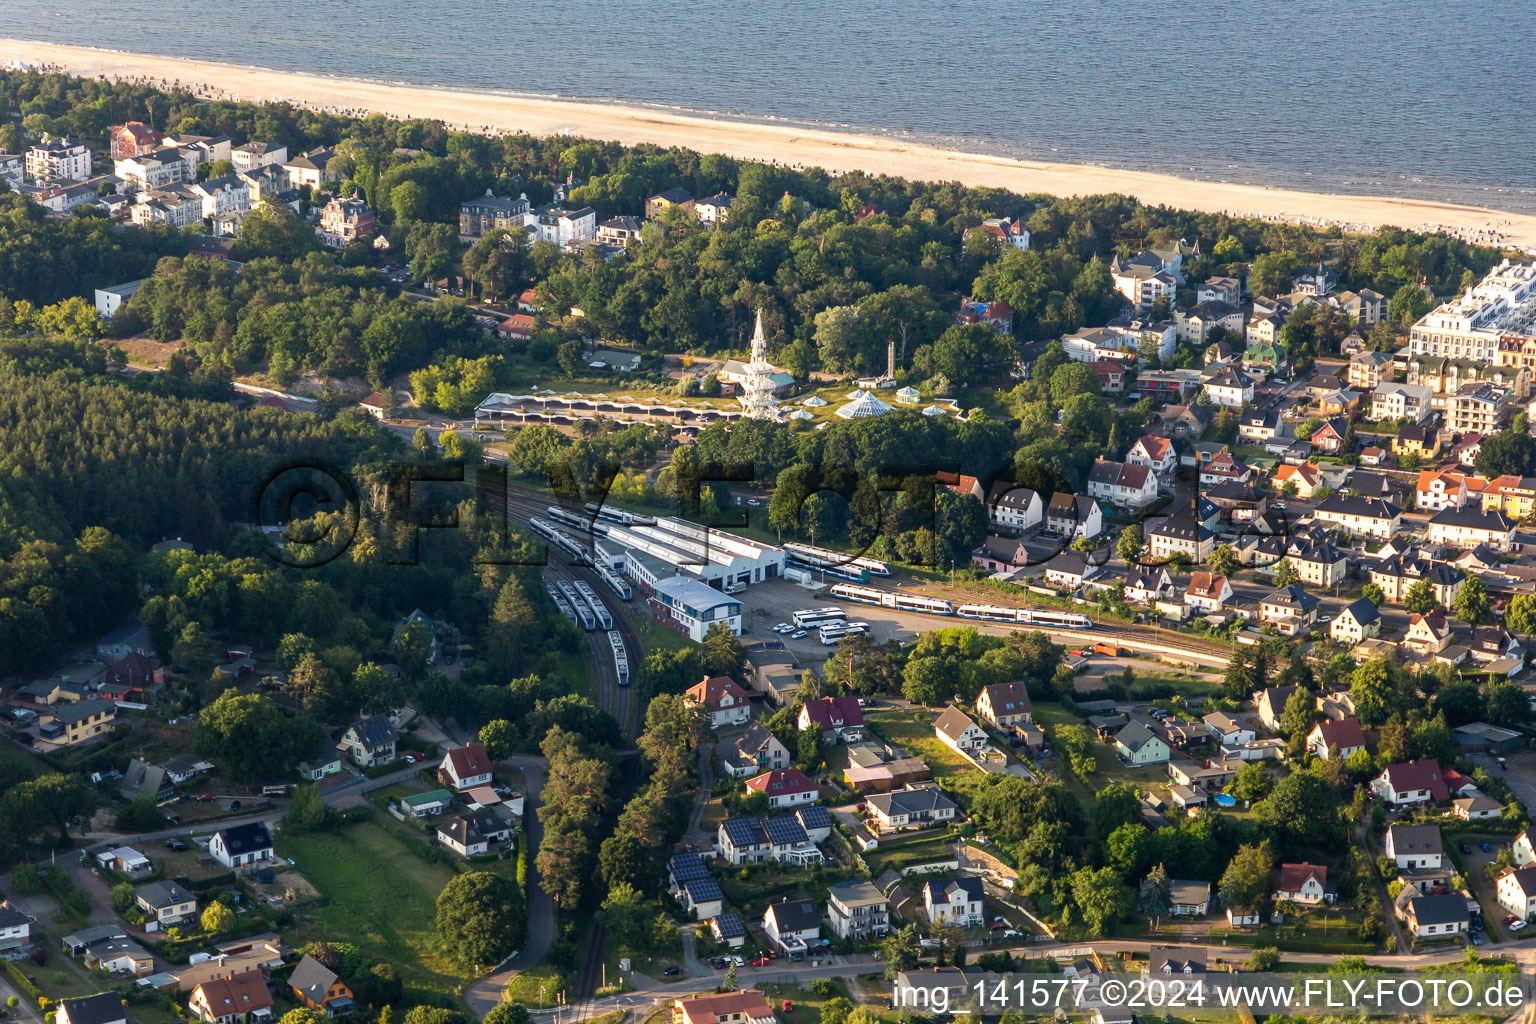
377,894
542,979
902,855
914,730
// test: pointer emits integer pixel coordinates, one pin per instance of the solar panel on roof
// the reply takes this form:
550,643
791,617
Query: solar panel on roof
703,890
744,831
814,817
784,831
688,866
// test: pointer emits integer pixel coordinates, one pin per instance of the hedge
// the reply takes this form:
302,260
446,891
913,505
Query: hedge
22,984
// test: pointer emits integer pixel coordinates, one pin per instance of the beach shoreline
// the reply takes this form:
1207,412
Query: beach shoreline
782,143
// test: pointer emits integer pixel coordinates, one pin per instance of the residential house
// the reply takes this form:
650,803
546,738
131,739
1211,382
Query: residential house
483,214
1368,369
619,232
58,159
1396,574
1195,324
1186,421
133,139
1494,643
1166,385
1111,374
318,987
1437,489
792,925
1257,426
147,780
857,911
1155,453
242,999
1516,891
1208,592
152,170
119,956
1228,730
1122,484
716,209
1417,440
1224,468
312,170
1188,898
1184,533
1069,569
15,928
1477,808
1291,610
728,930
165,903
789,838
1358,621
723,701
956,731
909,808
1479,407
1171,960
1231,387
997,314
1013,507
428,803
370,741
955,901
755,751
80,722
1428,634
1307,477
1005,705
1412,782
1330,437
836,717
1138,745
258,154
237,846
1146,584
1317,561
1304,884
1074,515
1362,516
1438,916
1148,277
1469,527
344,221
659,203
465,767
1367,306
1411,402
1339,738
1270,703
747,1006
787,787
103,1008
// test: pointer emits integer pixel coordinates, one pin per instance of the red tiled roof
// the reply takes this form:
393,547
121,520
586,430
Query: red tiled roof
1412,775
782,782
834,712
468,761
1342,733
712,690
1294,876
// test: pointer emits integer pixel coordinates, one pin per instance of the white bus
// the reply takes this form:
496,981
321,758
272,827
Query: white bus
816,616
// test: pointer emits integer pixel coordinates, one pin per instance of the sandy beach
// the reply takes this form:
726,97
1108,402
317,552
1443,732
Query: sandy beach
785,144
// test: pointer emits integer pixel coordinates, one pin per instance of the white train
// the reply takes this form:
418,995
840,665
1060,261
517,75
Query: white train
615,582
620,656
936,606
891,599
583,613
599,610
569,518
618,515
562,540
834,562
1027,616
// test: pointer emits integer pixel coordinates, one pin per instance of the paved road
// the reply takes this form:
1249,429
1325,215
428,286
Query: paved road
485,992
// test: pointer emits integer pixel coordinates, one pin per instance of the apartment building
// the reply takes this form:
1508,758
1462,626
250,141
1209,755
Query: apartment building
1479,408
1469,326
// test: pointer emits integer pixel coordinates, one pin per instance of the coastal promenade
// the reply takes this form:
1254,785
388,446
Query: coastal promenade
777,142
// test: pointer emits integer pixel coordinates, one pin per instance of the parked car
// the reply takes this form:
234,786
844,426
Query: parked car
235,805
1518,925
1486,847
788,1006
204,798
176,846
761,961
1466,847
797,634
672,971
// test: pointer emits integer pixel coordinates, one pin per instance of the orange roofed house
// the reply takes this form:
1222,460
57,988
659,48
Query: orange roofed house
1306,477
723,701
241,999
748,1006
465,767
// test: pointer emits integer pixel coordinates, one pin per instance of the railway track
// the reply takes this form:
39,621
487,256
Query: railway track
519,507
1160,641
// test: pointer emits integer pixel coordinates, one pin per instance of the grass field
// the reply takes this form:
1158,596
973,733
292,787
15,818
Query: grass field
538,986
377,894
901,855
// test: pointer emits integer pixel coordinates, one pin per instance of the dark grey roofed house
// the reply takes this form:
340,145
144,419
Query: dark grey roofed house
312,980
1444,908
796,915
163,894
102,1008
1363,612
940,889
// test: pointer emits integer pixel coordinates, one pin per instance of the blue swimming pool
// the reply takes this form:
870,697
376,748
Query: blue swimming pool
1224,799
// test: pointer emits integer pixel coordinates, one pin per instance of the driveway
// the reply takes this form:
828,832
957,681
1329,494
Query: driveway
1520,773
485,993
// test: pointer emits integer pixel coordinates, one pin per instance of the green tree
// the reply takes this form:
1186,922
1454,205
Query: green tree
1520,616
1154,900
217,918
1253,781
1420,598
1372,593
900,951
1249,879
1376,691
626,914
1471,604
26,879
500,738
122,896
481,917
1129,544
508,1013
1302,811
1100,897
1285,573
1223,560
